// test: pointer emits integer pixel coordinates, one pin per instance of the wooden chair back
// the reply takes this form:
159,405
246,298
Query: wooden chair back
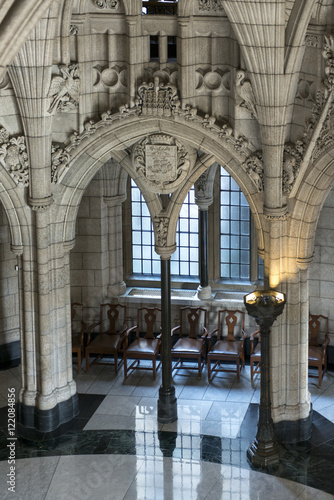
149,315
233,319
317,324
192,321
116,316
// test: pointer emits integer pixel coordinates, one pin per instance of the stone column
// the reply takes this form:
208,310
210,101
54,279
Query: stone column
167,404
204,290
116,284
48,397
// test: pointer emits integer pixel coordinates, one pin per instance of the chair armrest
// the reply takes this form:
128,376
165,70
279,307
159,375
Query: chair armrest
130,330
212,332
90,328
205,334
173,330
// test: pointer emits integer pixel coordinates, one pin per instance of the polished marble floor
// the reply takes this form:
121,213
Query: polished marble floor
116,449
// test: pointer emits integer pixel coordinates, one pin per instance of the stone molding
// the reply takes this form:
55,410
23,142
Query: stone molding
304,263
59,162
13,157
114,201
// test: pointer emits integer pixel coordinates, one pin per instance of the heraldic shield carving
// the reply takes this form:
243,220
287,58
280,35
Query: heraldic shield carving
161,162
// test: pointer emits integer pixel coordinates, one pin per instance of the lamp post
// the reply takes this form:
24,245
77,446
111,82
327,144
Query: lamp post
264,306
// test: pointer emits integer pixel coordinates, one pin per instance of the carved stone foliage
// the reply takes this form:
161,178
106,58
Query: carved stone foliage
254,168
219,79
291,165
13,157
106,4
161,230
156,99
59,162
161,162
210,5
328,54
110,77
244,93
64,89
312,41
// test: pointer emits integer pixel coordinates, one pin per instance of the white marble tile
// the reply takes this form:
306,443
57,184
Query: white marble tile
227,412
118,405
98,476
33,478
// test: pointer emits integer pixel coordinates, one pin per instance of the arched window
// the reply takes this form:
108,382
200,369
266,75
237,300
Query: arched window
235,244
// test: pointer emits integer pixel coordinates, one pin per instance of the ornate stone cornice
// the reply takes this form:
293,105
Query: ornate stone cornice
13,157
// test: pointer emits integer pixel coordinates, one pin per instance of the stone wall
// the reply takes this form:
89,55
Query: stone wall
9,311
321,275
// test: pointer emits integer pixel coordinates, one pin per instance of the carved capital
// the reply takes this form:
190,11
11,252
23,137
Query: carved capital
114,201
40,204
161,231
276,214
304,263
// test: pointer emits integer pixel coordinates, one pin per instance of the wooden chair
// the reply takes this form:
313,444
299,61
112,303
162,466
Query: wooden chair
192,334
230,348
317,356
112,327
143,347
255,355
78,328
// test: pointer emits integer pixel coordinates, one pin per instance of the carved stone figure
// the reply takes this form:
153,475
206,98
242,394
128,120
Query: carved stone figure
59,162
244,93
161,161
13,157
64,90
254,168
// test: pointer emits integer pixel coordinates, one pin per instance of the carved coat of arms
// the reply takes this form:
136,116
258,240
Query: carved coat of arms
161,162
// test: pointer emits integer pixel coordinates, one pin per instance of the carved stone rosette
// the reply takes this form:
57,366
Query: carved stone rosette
13,157
161,162
59,162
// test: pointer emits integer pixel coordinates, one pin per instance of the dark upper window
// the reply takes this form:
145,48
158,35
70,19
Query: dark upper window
160,7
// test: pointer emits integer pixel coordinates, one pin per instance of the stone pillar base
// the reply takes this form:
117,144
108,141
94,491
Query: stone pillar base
204,293
116,289
167,406
36,424
294,431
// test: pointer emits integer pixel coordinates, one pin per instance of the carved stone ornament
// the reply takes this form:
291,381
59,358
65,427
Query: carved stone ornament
161,230
161,162
13,157
201,184
156,99
64,90
291,165
210,5
244,93
254,168
59,162
74,29
106,4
